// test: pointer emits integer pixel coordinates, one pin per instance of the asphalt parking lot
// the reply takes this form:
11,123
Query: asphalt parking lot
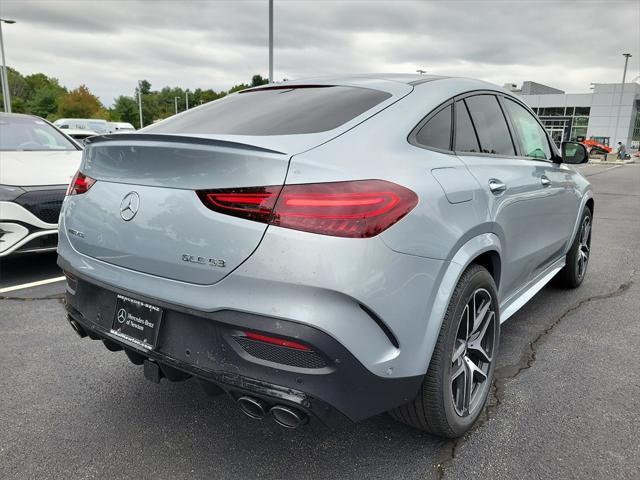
565,404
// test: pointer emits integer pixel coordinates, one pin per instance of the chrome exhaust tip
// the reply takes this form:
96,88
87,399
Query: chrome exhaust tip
288,417
252,407
77,328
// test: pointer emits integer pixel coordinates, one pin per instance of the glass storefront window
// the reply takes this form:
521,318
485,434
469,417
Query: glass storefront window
578,132
552,112
583,111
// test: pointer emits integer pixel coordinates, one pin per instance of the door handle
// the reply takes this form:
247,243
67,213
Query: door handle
544,180
496,186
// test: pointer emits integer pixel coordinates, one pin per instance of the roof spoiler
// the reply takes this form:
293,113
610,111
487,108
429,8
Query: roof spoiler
193,140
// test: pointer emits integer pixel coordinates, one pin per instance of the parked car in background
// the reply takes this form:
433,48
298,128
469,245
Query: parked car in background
37,163
79,135
326,248
120,127
93,124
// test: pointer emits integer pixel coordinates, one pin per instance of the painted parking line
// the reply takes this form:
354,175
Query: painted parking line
31,284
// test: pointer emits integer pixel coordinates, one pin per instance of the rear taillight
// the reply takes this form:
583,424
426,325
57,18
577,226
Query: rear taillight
357,209
80,184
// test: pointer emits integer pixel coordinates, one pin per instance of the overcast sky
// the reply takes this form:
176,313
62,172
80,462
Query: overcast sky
110,44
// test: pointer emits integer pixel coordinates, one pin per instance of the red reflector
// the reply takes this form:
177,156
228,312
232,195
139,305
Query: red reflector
357,209
80,184
276,341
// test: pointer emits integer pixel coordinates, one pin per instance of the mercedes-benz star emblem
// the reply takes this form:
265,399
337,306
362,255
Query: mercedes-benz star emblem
129,206
122,315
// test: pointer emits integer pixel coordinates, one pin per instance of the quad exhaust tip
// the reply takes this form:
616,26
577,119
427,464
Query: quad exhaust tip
77,328
252,407
288,417
283,415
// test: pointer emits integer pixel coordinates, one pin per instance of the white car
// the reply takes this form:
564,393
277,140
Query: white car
79,135
37,163
94,124
120,127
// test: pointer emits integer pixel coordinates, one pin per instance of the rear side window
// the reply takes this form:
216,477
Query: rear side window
533,138
490,125
436,133
275,111
466,139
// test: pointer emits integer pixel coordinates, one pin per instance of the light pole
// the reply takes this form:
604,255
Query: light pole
624,77
6,94
186,103
270,41
421,72
140,104
176,100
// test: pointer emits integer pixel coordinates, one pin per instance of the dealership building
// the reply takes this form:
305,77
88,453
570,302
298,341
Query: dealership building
609,114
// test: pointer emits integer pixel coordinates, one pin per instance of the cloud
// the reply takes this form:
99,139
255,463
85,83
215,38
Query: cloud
110,44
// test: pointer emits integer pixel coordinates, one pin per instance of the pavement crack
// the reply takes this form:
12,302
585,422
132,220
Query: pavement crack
505,374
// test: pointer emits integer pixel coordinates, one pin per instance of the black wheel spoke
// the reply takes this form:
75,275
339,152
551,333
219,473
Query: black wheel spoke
473,353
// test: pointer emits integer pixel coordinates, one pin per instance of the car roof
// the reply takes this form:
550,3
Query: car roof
17,115
386,82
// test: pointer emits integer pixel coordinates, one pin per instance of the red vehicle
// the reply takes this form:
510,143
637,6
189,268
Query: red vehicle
593,146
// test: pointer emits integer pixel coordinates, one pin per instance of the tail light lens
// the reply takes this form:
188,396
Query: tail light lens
80,184
357,209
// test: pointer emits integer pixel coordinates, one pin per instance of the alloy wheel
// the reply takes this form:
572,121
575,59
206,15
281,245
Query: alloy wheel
584,245
473,353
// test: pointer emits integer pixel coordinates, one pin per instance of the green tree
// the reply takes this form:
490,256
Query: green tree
45,102
17,84
125,109
145,87
240,86
81,103
257,80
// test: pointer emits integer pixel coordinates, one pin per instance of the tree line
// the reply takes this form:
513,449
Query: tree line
43,96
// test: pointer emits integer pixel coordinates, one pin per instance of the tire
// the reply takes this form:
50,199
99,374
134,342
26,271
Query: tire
575,269
440,406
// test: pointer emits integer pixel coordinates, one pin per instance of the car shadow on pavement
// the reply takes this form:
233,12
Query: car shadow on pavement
179,431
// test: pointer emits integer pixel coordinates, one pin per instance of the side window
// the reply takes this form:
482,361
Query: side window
466,139
490,124
436,132
532,137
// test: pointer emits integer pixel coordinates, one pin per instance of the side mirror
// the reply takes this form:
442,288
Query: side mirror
574,153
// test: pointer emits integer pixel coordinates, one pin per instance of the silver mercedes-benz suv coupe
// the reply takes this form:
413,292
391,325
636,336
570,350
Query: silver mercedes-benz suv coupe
330,248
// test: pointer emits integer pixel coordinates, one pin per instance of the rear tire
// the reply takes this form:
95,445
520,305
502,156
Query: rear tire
575,269
456,386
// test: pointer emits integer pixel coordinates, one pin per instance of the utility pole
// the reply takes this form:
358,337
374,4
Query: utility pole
186,106
176,100
6,93
624,77
140,104
271,41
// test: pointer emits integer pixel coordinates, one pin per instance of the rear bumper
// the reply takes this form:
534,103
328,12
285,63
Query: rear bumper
329,387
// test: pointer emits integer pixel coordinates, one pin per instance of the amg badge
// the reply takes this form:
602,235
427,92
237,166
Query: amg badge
212,262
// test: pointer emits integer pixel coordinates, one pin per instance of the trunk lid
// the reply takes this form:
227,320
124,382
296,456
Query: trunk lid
172,234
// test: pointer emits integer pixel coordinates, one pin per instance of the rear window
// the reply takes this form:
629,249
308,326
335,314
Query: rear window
19,133
275,111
